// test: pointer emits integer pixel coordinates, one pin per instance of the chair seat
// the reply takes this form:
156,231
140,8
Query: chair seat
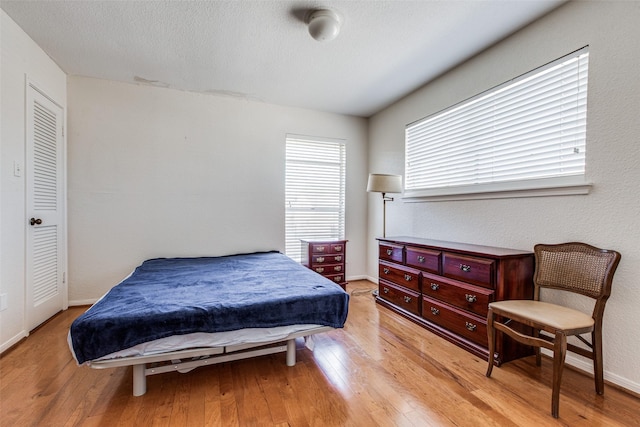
558,317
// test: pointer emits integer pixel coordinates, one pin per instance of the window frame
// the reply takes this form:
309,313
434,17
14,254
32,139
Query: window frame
547,186
336,160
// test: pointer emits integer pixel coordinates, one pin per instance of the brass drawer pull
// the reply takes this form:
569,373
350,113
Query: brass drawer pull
470,326
319,269
385,290
407,299
407,277
337,248
389,252
435,311
435,286
470,298
338,258
420,258
337,268
319,248
337,279
320,259
465,268
386,270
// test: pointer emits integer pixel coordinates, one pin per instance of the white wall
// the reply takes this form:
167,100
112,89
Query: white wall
21,58
608,217
156,172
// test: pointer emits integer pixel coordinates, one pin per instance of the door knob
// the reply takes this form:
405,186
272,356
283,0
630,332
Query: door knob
35,221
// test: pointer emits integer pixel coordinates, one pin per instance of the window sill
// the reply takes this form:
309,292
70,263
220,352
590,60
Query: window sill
567,186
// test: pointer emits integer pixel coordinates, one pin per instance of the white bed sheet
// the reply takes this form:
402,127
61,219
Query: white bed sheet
202,339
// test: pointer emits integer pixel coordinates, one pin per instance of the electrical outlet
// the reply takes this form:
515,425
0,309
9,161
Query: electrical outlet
4,303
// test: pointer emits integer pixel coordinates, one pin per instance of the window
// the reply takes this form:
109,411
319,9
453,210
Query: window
526,134
315,188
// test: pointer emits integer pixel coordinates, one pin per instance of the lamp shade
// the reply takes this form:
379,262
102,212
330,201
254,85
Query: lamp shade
381,183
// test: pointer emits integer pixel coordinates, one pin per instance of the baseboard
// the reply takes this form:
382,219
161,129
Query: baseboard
615,379
13,341
354,278
75,303
586,366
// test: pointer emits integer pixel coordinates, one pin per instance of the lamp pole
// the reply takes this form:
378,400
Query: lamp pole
381,183
384,216
384,213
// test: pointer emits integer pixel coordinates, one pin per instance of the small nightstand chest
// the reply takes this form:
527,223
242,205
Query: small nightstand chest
326,257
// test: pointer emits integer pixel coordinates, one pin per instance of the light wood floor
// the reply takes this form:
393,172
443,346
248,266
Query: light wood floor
379,370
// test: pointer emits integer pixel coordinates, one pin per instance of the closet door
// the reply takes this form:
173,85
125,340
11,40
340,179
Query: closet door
45,245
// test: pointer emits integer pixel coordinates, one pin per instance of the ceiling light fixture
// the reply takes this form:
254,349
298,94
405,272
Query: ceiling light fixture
324,24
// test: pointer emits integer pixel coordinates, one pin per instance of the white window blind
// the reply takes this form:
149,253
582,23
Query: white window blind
530,130
315,191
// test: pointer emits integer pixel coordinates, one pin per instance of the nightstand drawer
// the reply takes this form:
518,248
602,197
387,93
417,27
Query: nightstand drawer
326,248
328,269
402,297
338,278
403,276
468,297
472,327
423,259
326,259
337,248
479,271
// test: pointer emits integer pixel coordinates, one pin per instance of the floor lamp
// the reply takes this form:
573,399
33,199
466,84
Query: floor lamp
381,183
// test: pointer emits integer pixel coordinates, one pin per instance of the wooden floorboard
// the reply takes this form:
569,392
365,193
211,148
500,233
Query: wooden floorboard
380,370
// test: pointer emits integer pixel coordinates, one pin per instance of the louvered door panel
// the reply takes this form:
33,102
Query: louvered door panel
46,291
45,165
45,263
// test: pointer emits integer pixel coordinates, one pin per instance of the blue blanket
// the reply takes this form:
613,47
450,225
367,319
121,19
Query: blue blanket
173,296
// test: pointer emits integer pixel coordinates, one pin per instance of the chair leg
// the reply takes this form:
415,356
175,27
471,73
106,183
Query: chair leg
598,375
536,334
559,353
491,335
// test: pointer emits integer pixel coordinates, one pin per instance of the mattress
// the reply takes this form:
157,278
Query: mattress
190,300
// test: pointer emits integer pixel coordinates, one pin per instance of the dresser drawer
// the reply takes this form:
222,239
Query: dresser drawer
470,326
328,269
402,297
479,271
391,252
423,259
468,297
326,259
403,276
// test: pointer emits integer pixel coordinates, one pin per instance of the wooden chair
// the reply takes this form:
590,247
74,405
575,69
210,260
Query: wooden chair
573,267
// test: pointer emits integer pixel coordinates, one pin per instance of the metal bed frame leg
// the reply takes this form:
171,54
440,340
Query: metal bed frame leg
140,380
291,352
186,360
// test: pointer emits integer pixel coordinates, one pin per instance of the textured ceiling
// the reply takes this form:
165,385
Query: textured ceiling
260,50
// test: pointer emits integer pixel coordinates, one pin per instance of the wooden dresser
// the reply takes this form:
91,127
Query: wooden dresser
446,287
326,257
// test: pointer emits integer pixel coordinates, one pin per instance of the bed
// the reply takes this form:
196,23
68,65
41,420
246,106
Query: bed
176,314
